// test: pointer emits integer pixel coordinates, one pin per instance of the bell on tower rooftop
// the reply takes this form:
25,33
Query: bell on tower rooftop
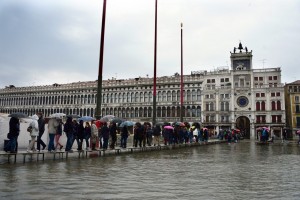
240,47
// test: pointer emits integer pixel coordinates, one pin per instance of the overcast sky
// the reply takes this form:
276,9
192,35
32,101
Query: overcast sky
57,41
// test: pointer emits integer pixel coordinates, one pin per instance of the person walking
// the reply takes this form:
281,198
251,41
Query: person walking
113,134
124,136
69,129
52,128
75,133
156,134
58,135
14,131
34,132
87,134
80,135
105,135
149,134
94,135
41,123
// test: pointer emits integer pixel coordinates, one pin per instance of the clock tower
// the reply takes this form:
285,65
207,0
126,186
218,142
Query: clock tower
241,72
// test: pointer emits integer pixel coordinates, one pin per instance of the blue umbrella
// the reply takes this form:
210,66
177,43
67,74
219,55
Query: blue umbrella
126,123
18,115
86,118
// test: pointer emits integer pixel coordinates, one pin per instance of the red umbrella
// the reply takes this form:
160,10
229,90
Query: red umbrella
205,129
237,130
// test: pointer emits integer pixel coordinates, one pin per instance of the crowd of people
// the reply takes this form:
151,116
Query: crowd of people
104,135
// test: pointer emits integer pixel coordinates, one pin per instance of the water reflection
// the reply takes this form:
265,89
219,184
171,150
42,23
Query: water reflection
236,171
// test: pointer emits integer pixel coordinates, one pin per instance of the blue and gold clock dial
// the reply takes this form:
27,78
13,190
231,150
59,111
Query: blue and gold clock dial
242,101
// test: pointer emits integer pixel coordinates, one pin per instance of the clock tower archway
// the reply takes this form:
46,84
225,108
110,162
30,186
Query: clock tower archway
243,124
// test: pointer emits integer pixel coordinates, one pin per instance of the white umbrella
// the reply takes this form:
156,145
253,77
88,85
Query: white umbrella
57,115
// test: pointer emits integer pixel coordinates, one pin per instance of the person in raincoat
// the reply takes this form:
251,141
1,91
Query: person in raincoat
52,129
94,135
34,133
69,129
14,130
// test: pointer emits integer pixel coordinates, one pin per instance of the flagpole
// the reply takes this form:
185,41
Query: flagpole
181,80
154,77
100,72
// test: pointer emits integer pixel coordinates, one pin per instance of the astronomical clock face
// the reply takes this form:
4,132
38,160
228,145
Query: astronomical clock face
242,101
241,64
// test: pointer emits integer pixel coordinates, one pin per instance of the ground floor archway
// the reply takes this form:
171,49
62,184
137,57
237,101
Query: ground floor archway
243,123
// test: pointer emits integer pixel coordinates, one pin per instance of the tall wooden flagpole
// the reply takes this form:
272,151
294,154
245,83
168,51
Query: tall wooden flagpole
100,72
154,77
181,80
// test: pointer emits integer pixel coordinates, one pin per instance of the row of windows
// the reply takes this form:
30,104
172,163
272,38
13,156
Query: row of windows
271,78
261,105
259,119
274,119
142,112
162,96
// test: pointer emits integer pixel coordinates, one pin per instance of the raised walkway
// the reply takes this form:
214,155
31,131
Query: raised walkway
24,156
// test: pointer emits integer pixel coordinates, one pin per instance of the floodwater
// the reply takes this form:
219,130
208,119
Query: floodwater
236,171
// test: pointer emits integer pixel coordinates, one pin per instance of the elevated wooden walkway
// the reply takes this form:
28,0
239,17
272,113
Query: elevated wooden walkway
59,155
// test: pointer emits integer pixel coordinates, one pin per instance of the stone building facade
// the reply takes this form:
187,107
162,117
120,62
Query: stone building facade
240,97
292,106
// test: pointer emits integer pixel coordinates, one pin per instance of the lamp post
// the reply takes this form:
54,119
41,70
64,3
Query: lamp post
100,72
154,76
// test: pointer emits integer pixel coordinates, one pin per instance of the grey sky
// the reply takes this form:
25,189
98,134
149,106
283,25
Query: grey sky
57,41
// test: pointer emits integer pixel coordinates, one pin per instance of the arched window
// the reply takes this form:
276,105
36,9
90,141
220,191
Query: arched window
169,96
278,105
163,113
273,105
173,96
178,95
159,96
188,95
137,97
257,106
198,95
141,97
263,105
164,96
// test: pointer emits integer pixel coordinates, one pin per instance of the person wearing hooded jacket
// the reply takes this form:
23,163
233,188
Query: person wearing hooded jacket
34,132
52,129
14,130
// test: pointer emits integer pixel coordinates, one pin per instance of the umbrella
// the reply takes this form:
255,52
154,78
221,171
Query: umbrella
204,128
117,120
18,115
98,123
126,123
168,127
298,132
178,124
73,116
86,118
107,118
186,124
196,124
237,130
57,115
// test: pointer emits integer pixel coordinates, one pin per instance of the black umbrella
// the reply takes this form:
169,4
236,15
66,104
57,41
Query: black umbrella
18,115
196,124
73,116
117,120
